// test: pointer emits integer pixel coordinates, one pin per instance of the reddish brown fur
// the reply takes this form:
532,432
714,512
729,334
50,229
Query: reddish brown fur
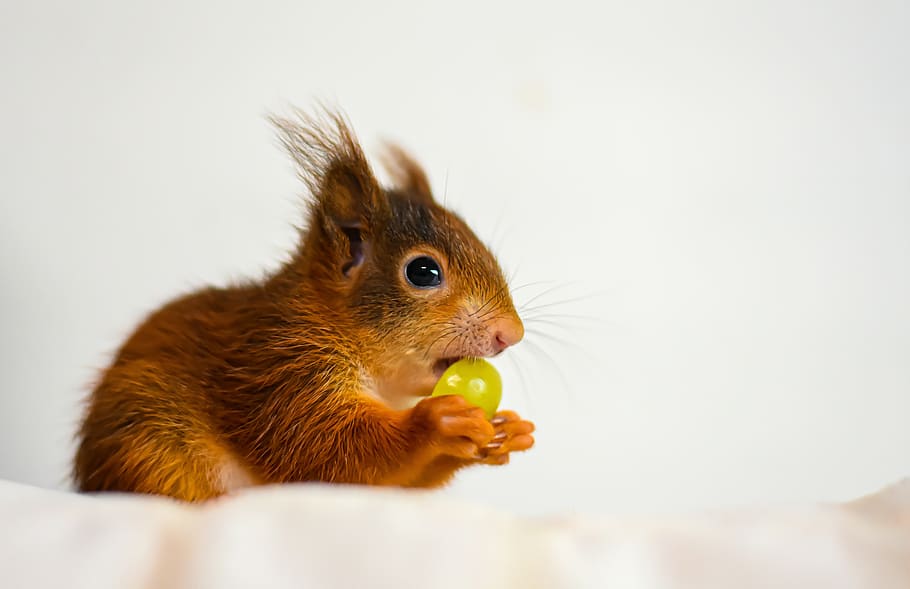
294,378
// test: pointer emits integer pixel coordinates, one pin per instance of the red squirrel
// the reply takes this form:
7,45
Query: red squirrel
321,371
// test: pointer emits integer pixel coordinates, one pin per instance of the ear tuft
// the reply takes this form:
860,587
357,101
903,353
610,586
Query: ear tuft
331,163
405,173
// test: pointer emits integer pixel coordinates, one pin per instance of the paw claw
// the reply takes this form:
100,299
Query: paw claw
497,460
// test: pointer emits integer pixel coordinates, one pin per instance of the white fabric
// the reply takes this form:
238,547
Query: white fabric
322,536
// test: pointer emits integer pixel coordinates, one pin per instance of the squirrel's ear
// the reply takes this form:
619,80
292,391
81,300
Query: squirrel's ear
347,203
348,193
331,163
406,174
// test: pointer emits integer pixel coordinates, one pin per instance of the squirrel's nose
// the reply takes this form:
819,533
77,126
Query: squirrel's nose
507,331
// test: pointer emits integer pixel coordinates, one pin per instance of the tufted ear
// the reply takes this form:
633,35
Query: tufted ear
406,174
332,164
348,194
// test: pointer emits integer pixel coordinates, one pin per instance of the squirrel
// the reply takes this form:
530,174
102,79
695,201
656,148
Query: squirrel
322,370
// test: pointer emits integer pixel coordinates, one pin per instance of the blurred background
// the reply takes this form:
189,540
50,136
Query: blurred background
706,206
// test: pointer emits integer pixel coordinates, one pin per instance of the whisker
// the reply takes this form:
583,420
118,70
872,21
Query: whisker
587,297
570,345
535,283
490,300
451,341
525,391
538,315
492,315
486,315
545,292
511,277
530,345
462,341
559,324
569,322
445,333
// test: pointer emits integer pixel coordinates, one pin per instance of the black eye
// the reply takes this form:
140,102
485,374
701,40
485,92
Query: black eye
423,272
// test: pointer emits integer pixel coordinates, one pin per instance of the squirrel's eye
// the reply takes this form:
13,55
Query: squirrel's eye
423,272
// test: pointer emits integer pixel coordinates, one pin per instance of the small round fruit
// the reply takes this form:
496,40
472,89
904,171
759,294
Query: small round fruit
476,380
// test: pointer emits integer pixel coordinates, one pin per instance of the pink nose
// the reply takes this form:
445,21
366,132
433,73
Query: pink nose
507,331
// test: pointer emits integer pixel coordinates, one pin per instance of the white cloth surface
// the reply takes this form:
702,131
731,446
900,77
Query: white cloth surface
330,536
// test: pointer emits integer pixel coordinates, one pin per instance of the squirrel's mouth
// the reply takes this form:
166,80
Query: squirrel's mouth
443,364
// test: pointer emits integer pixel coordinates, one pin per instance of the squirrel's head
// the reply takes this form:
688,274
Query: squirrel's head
408,278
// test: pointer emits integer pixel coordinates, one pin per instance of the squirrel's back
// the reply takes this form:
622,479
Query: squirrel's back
151,410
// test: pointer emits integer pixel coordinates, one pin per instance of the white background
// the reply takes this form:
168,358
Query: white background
716,193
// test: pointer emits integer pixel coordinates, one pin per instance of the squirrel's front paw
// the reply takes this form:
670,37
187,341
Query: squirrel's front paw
454,426
513,434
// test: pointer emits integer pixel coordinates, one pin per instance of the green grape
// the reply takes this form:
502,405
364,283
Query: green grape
476,380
